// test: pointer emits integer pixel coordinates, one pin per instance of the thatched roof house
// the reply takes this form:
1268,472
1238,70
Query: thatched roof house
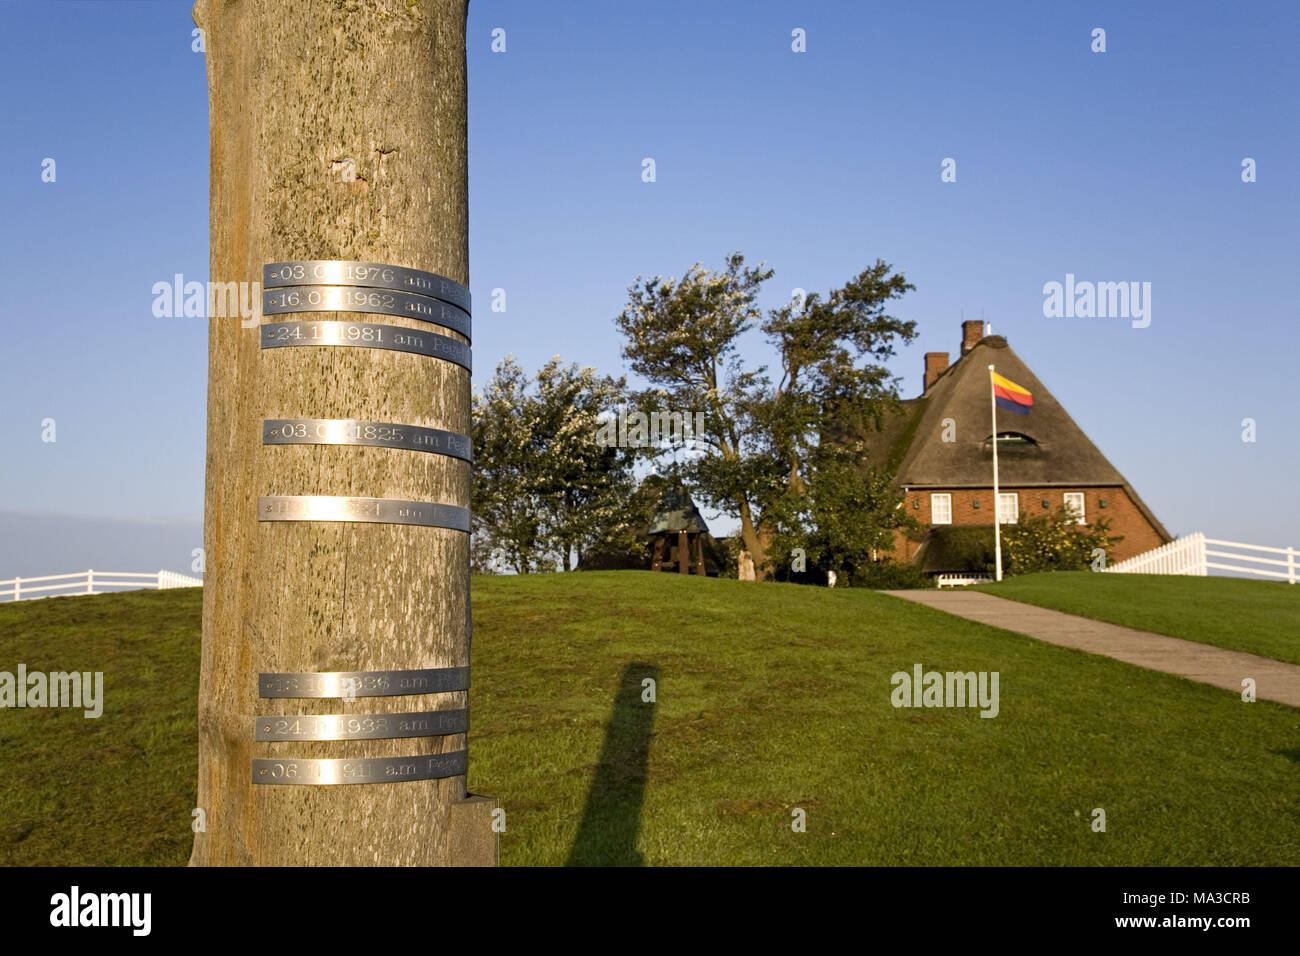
942,445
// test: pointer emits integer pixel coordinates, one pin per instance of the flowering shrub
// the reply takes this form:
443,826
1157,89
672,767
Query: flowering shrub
1055,542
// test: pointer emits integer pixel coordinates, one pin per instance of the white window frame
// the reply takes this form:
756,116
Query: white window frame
1077,499
1011,514
946,499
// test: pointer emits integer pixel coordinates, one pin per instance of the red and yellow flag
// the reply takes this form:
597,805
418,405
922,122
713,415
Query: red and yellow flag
1012,397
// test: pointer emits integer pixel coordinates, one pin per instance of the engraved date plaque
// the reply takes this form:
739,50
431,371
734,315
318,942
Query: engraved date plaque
326,772
349,431
371,275
340,684
429,514
430,723
367,335
382,301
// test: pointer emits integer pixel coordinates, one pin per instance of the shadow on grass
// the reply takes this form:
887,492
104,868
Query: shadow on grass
612,816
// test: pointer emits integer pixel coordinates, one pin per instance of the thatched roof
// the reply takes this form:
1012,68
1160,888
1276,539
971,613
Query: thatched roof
1054,452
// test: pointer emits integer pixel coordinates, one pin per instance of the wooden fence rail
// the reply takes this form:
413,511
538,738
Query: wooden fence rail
1192,554
92,582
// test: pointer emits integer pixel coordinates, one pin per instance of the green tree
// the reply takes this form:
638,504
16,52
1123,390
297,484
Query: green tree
682,337
765,442
845,523
506,514
585,486
544,489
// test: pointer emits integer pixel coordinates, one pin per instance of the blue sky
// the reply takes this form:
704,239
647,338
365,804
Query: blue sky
1115,166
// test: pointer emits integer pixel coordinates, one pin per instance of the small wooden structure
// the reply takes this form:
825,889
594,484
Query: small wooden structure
677,533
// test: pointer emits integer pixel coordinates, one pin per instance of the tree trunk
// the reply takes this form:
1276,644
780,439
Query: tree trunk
296,90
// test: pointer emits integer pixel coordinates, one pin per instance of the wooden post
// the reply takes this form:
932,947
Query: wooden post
338,131
683,554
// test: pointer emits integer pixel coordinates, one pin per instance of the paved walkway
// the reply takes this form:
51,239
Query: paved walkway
1274,680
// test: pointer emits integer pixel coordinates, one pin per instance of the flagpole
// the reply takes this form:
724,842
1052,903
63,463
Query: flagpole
997,517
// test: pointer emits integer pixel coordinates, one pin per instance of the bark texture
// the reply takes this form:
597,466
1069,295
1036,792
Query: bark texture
296,89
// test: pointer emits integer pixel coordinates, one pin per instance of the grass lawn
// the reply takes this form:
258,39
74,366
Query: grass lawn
769,698
1260,617
118,789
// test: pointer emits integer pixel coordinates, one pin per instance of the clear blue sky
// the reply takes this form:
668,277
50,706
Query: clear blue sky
1115,166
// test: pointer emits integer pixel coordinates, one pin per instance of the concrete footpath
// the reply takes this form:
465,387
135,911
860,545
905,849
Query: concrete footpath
1274,680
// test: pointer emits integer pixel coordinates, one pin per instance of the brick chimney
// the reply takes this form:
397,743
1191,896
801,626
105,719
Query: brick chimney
935,364
971,332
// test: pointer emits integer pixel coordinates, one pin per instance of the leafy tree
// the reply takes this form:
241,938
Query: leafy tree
585,486
506,511
1054,542
781,456
847,520
682,336
544,490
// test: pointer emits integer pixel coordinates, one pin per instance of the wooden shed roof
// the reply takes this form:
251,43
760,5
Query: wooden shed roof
676,512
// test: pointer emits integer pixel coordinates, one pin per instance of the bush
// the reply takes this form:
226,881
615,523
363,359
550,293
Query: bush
1055,542
890,575
957,548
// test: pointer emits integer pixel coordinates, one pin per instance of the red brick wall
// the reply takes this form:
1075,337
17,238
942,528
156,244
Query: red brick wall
1123,516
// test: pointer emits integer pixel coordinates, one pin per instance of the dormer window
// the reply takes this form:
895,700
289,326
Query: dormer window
1010,441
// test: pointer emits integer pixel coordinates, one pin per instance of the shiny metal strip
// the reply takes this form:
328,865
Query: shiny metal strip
333,298
429,723
367,335
371,275
429,514
351,431
325,772
348,684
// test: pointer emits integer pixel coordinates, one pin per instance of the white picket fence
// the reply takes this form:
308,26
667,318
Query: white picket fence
1192,554
93,582
957,579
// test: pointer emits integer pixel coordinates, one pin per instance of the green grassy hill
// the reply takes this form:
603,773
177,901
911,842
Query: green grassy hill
1259,617
769,698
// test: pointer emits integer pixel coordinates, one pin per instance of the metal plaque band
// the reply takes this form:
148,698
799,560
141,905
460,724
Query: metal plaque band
367,335
429,514
324,772
340,684
429,723
333,298
370,275
350,431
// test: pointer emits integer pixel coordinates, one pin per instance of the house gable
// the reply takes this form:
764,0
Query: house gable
1060,454
1050,450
